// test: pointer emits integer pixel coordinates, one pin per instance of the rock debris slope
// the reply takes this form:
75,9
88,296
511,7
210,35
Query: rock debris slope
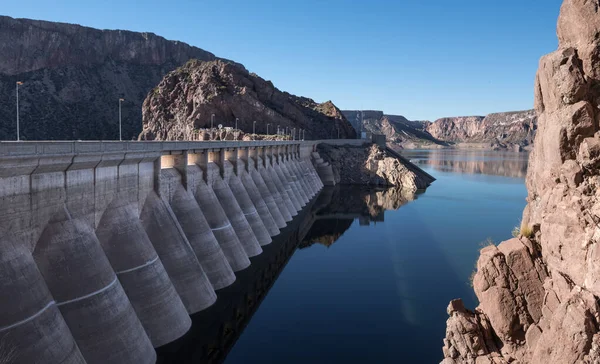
539,293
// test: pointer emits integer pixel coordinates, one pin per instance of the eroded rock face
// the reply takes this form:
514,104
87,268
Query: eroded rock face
541,295
186,98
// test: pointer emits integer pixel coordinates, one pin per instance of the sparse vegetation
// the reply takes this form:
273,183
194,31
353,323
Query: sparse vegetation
526,231
516,232
487,242
472,277
522,230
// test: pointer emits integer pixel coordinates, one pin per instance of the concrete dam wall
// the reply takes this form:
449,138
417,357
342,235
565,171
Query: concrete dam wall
106,248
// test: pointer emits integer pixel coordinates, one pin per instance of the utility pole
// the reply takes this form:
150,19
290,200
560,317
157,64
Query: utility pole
18,131
120,123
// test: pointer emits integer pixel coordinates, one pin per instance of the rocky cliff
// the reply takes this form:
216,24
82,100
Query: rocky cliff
539,293
74,76
373,166
186,98
516,127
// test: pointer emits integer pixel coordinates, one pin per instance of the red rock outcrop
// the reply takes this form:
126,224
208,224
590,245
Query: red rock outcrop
539,296
186,98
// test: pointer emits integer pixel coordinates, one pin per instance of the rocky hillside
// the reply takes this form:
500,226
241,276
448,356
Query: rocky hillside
74,76
185,99
539,293
516,127
399,131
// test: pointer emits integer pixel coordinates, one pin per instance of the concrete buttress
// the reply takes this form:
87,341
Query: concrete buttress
141,273
176,253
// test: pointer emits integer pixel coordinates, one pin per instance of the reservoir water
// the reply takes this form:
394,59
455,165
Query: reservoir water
365,275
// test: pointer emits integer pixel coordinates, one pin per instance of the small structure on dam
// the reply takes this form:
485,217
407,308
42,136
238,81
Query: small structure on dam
106,248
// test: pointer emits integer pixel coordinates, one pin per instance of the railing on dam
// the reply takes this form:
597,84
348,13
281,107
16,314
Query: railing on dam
107,247
84,147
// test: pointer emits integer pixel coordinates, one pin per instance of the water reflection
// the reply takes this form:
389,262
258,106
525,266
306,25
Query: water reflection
216,329
337,207
508,164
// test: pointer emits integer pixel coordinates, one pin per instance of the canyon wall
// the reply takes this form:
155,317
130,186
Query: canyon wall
497,130
539,293
73,77
517,127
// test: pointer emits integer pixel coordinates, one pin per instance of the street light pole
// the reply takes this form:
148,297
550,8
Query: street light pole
236,122
268,129
18,131
254,129
120,123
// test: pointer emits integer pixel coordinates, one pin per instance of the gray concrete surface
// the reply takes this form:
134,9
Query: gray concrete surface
218,221
141,273
108,246
89,295
178,257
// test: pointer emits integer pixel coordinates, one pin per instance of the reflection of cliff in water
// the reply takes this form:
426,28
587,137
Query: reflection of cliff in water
508,164
215,330
337,207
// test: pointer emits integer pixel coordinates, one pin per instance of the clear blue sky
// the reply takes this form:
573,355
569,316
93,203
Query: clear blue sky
421,59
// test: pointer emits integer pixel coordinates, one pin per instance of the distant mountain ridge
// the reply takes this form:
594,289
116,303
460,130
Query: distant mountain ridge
495,130
516,127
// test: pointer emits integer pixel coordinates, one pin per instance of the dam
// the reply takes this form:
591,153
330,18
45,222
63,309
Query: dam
107,248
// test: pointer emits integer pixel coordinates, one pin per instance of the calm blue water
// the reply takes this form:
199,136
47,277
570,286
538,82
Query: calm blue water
378,293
